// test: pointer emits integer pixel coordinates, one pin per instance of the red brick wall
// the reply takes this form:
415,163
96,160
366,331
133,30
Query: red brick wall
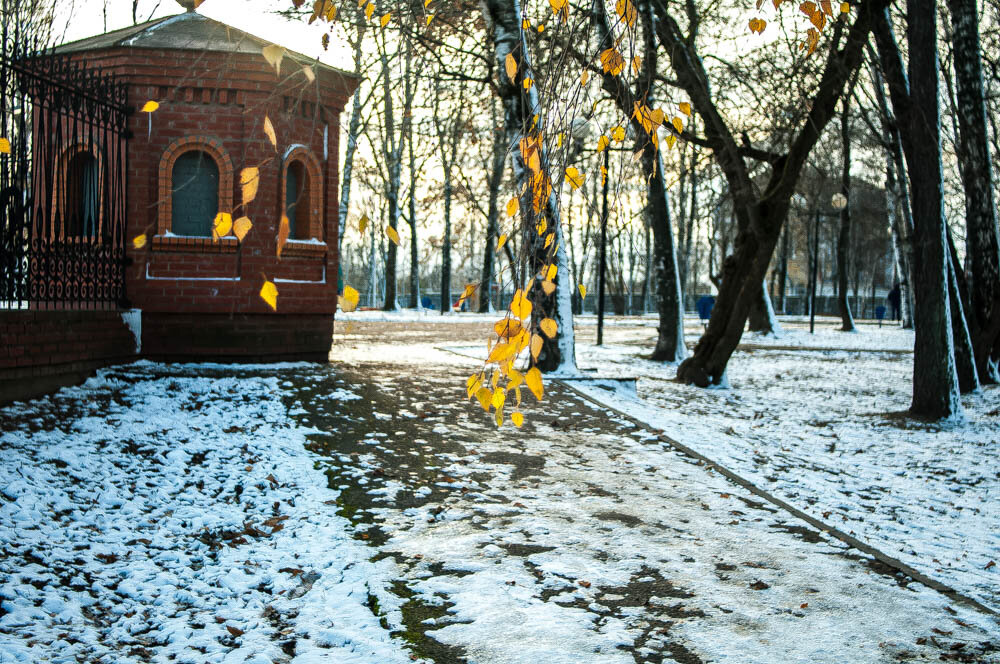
42,350
236,338
225,97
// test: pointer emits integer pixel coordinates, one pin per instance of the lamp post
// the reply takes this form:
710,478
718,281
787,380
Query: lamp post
838,202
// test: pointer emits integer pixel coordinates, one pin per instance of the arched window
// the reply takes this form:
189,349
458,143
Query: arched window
195,183
297,200
302,194
78,199
194,194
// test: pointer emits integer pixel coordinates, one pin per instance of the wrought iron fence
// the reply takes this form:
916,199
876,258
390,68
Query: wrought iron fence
62,177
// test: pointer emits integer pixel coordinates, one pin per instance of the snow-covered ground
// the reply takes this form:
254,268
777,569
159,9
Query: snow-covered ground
172,514
827,431
142,514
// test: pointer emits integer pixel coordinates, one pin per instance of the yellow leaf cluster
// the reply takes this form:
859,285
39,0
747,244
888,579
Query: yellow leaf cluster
269,293
574,177
221,225
393,236
349,300
649,119
283,231
249,180
612,61
626,11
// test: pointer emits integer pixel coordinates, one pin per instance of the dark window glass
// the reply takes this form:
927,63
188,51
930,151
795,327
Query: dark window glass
82,203
297,200
195,196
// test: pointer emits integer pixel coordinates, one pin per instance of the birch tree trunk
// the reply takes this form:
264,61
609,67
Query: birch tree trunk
353,130
503,19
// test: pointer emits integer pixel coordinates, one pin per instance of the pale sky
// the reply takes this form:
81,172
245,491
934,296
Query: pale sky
86,18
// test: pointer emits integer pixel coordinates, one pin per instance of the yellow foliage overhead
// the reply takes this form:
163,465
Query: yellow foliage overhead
269,293
349,300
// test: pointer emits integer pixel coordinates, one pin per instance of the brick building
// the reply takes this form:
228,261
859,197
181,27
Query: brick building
98,172
199,295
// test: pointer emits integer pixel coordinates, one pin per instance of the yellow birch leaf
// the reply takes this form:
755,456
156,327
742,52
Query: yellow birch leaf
626,11
612,61
517,419
494,380
602,143
549,327
427,3
517,393
516,378
499,397
507,327
273,54
551,274
685,108
574,177
369,10
541,28
512,207
139,241
269,293
548,287
533,379
501,241
392,235
363,224
483,394
349,300
584,77
221,225
536,346
510,64
429,17
501,353
309,74
249,179
548,240
636,64
384,21
583,290
241,227
149,107
520,306
526,24
678,124
670,139
527,82
521,341
618,133
541,226
269,132
473,384
845,8
498,418
4,146
283,230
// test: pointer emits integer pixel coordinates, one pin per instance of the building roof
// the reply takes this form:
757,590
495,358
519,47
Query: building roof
187,31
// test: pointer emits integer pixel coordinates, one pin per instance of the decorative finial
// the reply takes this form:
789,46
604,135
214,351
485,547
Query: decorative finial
188,5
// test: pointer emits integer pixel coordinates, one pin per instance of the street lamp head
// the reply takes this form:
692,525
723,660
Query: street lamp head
188,5
838,201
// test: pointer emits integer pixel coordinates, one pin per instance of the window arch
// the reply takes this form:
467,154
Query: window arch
195,182
78,203
301,194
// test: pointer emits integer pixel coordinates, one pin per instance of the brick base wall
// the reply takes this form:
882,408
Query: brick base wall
178,337
41,351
